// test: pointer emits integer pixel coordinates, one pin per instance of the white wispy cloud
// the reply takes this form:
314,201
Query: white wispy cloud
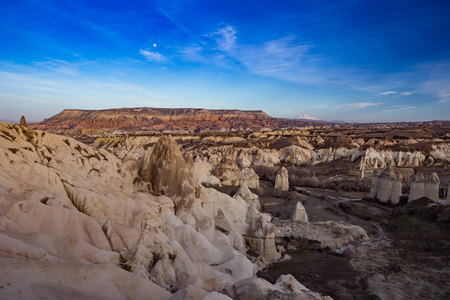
152,56
407,93
360,105
399,107
444,99
60,66
274,56
282,58
387,93
437,82
193,53
349,106
225,38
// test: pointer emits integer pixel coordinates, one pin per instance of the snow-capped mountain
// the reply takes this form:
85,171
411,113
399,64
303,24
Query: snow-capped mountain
305,117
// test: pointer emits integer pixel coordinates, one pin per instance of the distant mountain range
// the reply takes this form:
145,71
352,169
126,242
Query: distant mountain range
9,121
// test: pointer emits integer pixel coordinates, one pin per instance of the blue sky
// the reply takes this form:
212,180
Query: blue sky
353,60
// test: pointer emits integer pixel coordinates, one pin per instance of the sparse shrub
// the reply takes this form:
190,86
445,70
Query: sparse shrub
312,182
393,268
363,283
403,200
299,172
265,172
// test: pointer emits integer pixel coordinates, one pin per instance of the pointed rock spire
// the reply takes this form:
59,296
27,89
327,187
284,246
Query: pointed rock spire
23,122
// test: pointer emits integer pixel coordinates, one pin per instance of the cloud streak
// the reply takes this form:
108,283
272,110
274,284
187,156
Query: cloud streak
387,93
174,21
398,107
226,38
152,56
360,105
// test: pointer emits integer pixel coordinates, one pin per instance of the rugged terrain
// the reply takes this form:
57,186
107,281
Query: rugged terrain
210,214
80,222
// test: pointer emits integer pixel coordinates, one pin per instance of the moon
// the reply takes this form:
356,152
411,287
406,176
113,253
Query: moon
154,45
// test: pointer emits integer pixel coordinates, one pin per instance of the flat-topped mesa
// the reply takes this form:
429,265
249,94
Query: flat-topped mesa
282,179
432,187
417,187
156,118
167,171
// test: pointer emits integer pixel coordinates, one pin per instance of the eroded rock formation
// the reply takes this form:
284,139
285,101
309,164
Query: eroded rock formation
168,172
385,186
432,187
396,189
227,171
282,179
300,213
88,214
417,187
249,177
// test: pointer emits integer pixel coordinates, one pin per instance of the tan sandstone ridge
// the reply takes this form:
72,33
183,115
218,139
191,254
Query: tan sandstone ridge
77,223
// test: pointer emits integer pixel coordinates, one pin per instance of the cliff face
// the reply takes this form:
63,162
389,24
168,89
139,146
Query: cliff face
156,119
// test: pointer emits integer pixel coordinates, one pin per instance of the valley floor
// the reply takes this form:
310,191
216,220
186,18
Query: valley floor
408,257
